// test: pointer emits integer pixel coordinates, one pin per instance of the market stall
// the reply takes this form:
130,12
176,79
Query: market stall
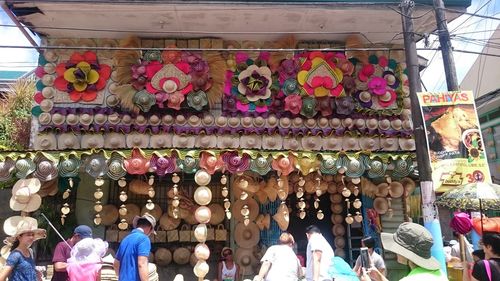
223,148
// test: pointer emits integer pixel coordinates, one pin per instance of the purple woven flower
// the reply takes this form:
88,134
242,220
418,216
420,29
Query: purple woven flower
229,104
461,223
163,165
325,106
139,78
288,69
235,163
345,105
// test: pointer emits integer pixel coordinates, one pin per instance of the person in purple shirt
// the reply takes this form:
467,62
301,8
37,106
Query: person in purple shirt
63,252
131,262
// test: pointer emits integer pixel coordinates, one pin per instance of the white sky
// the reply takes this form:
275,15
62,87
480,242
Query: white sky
466,26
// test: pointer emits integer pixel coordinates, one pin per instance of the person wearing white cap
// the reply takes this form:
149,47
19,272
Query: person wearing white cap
131,263
412,244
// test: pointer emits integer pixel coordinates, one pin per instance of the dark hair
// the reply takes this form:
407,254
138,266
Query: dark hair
312,229
455,234
143,223
492,239
369,242
479,254
15,244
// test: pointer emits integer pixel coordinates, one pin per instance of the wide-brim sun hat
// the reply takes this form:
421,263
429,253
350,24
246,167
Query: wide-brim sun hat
246,236
20,225
413,242
24,195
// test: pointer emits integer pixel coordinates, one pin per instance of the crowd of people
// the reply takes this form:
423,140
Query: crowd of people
80,257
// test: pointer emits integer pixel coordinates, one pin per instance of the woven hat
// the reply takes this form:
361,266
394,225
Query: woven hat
68,141
284,165
46,170
24,195
350,143
217,212
24,167
332,143
181,256
396,189
72,119
246,183
252,141
253,207
246,236
338,229
282,217
163,256
245,258
188,165
261,165
17,225
109,214
355,168
382,189
263,221
58,119
114,140
92,141
409,185
6,168
402,167
380,205
413,242
163,165
169,223
389,144
159,141
369,143
206,141
69,167
376,168
95,165
137,164
49,188
116,169
147,216
184,141
292,143
339,242
407,144
272,142
46,141
137,140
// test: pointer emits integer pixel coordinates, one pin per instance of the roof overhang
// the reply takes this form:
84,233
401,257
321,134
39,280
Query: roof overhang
241,20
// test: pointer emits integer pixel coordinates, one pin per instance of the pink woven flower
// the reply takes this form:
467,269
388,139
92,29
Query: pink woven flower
163,165
377,85
235,163
293,103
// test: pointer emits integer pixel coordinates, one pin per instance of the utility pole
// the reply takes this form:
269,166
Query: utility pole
446,49
429,210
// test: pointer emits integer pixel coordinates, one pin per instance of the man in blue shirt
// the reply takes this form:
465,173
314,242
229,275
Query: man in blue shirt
131,263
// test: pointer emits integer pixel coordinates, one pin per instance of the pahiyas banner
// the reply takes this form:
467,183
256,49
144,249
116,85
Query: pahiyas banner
454,140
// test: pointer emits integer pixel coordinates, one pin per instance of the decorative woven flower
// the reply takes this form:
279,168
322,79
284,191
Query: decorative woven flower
344,105
293,103
325,106
308,107
388,98
174,100
82,76
319,76
235,163
255,83
163,165
171,56
377,85
229,104
144,100
139,78
288,69
290,87
137,164
197,100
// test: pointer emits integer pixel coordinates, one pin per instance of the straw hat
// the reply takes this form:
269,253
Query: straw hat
253,207
169,223
263,221
206,141
181,256
369,143
137,140
24,195
44,118
396,189
245,258
246,183
114,140
49,188
17,225
312,142
161,140
382,190
292,143
409,185
58,119
284,165
69,167
163,256
46,142
24,167
132,211
218,213
183,141
261,165
282,217
92,141
202,177
339,229
339,242
116,169
407,144
251,141
336,218
350,143
332,143
156,212
95,165
380,205
377,168
68,141
272,142
389,144
109,214
46,170
246,236
306,165
137,164
337,208
6,168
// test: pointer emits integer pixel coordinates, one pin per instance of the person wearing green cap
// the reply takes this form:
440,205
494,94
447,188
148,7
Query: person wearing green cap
412,244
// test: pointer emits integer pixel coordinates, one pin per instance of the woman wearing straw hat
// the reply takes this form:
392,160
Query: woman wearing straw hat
20,264
280,262
228,270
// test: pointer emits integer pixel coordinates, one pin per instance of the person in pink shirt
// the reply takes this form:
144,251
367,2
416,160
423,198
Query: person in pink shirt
86,260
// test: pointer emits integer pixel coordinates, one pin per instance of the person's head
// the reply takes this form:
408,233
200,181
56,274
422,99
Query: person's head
82,232
491,244
25,239
226,253
478,255
312,229
456,235
412,243
368,242
147,223
25,233
286,239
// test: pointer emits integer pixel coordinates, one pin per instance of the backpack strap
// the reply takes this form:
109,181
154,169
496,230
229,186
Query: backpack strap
488,269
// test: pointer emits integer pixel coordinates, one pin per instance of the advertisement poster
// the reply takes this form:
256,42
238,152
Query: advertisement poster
456,149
